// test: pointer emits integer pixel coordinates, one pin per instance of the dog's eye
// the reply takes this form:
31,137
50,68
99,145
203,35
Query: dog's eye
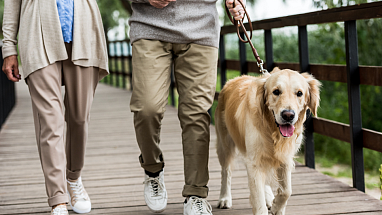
276,92
299,93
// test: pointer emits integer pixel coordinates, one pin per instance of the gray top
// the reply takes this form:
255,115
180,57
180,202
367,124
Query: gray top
182,21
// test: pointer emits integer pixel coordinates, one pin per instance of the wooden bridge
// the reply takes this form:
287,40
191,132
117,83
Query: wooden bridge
113,176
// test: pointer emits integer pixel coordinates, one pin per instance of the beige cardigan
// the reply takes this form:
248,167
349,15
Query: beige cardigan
40,36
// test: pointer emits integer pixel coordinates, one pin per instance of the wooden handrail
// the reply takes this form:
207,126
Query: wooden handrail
340,131
355,12
369,75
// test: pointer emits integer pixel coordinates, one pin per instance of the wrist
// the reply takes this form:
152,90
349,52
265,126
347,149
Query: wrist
11,57
9,51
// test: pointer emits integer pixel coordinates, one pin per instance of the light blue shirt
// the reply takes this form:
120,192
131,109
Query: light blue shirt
66,13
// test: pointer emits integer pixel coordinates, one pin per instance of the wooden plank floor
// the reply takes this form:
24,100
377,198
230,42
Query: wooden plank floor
113,177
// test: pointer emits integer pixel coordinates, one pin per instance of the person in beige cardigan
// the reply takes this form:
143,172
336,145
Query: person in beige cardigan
47,63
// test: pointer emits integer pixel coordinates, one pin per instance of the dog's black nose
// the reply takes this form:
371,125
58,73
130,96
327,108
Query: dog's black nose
287,115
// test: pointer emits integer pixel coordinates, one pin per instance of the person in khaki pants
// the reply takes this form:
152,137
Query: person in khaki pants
60,42
185,34
195,74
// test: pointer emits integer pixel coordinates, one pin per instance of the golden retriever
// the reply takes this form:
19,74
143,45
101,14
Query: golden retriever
262,117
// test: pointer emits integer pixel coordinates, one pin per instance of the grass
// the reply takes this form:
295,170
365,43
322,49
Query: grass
371,181
328,173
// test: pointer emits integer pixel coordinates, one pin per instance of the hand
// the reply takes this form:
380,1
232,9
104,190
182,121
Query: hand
238,11
11,68
160,3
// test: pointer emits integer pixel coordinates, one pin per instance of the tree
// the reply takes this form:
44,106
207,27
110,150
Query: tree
338,3
127,5
112,11
1,15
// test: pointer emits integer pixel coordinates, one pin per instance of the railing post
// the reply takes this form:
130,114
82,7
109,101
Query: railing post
269,62
223,62
304,67
243,56
354,98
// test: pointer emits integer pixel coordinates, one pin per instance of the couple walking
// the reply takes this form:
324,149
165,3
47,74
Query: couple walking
62,42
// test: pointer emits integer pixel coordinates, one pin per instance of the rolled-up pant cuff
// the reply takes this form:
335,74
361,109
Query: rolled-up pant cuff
156,167
189,190
73,175
58,199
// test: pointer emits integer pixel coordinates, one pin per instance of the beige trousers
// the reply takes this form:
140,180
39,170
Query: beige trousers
195,68
45,90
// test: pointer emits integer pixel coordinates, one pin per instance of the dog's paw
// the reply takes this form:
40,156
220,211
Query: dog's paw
269,207
225,203
278,212
269,197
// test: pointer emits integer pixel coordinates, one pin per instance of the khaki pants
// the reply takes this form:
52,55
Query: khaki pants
195,68
45,90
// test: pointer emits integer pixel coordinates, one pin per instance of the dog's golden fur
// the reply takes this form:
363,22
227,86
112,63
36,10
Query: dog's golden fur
246,117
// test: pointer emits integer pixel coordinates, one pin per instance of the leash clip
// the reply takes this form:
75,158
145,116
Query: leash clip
262,70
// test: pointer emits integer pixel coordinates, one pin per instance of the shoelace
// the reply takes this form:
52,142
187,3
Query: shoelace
156,185
60,211
78,190
199,204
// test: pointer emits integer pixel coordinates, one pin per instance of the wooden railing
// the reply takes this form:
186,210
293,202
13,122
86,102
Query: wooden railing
7,94
351,73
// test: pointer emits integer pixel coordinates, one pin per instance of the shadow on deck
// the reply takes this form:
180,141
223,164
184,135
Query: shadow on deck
113,176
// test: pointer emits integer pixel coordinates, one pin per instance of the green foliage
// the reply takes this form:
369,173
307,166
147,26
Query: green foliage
327,46
329,173
347,173
1,15
285,47
112,12
325,162
337,3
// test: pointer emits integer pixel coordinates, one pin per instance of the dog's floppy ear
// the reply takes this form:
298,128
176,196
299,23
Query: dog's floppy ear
276,69
261,93
313,99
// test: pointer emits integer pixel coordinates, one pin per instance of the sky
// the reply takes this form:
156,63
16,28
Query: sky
265,9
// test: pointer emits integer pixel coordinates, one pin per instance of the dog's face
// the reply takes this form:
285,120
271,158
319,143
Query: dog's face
288,94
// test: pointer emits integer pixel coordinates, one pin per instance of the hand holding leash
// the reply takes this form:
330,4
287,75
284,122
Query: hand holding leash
160,3
235,9
237,20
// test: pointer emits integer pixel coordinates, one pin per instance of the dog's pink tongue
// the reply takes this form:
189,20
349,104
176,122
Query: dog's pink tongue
287,130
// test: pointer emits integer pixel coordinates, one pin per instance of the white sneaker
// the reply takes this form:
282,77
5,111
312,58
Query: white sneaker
197,206
60,210
155,193
78,197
